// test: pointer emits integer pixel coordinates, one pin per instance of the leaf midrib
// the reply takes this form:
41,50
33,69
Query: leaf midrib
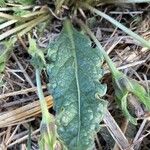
68,27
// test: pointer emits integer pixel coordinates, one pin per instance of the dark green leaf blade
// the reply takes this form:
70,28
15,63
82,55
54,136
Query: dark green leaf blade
74,74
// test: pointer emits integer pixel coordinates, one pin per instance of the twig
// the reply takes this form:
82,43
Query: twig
139,133
124,126
21,122
116,132
140,139
125,12
14,132
23,138
19,7
98,143
128,65
24,72
33,89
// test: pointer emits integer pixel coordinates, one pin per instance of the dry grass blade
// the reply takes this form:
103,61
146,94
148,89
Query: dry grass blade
23,18
23,138
30,24
139,133
19,7
20,114
33,89
8,23
116,132
6,16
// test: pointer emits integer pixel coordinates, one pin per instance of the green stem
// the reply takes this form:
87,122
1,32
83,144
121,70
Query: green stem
43,104
111,65
118,24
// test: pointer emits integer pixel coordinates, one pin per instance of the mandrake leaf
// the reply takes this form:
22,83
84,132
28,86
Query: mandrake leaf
74,74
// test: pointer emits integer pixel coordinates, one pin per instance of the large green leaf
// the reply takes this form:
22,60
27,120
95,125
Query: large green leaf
74,72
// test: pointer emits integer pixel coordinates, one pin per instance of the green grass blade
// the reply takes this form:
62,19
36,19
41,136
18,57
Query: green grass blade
119,25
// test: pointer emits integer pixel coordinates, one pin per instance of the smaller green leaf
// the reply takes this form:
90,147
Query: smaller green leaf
123,86
38,59
139,91
125,110
48,135
47,127
121,94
